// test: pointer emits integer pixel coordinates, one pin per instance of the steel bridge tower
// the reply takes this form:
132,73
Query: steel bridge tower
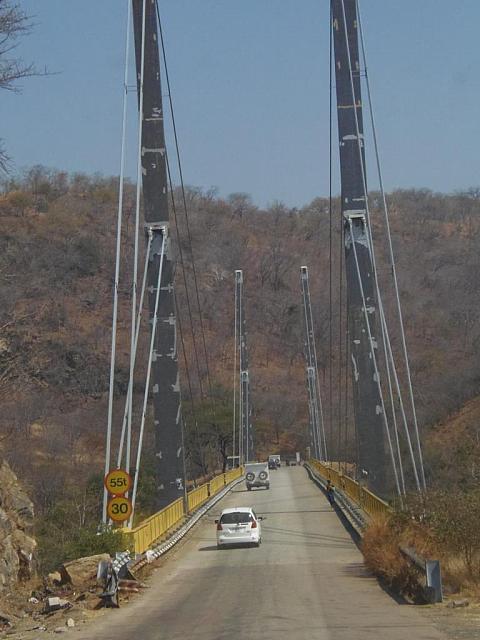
170,479
245,429
316,425
361,286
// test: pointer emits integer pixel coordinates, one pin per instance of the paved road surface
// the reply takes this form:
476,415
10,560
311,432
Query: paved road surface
306,581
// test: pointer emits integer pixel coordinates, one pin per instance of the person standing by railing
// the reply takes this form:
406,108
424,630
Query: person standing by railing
330,493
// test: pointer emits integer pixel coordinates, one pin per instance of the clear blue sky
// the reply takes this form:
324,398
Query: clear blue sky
250,85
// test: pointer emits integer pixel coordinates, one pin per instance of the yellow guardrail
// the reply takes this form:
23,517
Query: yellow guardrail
365,499
351,488
232,475
373,505
216,484
156,526
196,497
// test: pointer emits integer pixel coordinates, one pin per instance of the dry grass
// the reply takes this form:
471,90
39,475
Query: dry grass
459,580
381,548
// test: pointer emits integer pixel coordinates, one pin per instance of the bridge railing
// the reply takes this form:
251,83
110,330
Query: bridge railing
365,499
216,484
196,497
233,474
156,526
159,524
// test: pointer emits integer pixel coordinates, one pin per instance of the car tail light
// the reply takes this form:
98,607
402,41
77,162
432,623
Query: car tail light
219,527
254,524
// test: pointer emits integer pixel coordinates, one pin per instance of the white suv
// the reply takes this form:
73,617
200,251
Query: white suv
257,475
239,525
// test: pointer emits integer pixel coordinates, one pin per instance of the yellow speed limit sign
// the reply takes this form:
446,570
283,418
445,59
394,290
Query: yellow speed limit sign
119,509
118,482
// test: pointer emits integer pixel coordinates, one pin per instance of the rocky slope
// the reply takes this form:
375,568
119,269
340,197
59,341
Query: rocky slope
17,546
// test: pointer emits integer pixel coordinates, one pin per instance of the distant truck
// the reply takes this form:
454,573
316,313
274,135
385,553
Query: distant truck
274,461
233,462
256,475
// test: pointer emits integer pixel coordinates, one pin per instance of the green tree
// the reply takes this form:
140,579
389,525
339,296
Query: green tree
209,433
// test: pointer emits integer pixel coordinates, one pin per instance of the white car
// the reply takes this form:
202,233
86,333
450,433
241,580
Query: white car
239,525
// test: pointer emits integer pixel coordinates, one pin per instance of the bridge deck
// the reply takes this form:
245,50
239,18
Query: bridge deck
306,581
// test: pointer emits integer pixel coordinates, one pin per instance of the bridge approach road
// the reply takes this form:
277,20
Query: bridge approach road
306,581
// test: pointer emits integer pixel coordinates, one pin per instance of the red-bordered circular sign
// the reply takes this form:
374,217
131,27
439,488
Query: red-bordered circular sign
118,482
119,509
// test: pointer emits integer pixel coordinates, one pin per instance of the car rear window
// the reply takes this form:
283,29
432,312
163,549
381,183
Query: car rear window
237,517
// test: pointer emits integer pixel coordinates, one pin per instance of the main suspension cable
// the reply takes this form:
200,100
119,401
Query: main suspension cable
340,339
330,216
312,388
189,384
184,275
235,349
136,239
394,415
137,332
347,349
320,423
147,380
117,265
400,399
372,353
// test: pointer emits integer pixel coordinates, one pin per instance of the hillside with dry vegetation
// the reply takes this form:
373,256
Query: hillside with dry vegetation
56,268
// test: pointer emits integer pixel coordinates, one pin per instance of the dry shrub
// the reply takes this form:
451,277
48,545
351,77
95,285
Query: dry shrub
455,518
381,549
455,576
442,526
449,521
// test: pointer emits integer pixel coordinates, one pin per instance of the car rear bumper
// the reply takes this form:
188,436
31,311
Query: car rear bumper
248,538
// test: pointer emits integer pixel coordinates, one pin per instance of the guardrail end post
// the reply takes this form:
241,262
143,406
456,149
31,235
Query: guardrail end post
434,579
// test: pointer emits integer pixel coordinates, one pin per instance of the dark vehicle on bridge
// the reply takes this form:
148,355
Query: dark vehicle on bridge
274,461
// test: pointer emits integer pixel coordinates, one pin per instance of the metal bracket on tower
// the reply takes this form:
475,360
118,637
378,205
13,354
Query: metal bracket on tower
355,214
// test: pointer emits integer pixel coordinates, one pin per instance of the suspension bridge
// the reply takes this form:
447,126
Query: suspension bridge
307,552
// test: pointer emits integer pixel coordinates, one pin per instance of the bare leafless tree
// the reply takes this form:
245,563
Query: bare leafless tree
14,23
